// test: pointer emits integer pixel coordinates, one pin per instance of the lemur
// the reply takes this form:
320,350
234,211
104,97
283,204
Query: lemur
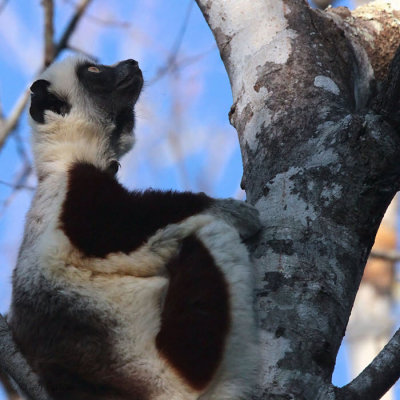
117,294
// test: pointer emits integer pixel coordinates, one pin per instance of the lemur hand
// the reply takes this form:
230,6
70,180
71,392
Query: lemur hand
243,216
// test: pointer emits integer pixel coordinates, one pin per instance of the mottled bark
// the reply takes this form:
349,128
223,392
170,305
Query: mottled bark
316,114
378,377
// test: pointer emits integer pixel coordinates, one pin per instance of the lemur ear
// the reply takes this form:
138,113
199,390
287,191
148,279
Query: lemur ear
113,167
42,99
39,87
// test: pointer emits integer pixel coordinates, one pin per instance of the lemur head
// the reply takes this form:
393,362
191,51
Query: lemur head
83,111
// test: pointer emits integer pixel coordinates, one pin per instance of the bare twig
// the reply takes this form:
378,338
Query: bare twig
48,31
175,140
184,62
84,53
22,152
179,39
63,43
322,4
12,394
388,255
110,22
378,377
3,5
12,121
1,116
104,21
16,186
14,364
171,61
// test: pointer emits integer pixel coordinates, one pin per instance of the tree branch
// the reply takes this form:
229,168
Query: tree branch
171,63
3,5
12,121
387,102
14,364
322,4
107,22
392,255
301,80
16,186
378,377
63,43
48,31
12,394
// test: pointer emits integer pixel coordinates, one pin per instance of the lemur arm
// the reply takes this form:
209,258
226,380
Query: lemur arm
242,216
110,225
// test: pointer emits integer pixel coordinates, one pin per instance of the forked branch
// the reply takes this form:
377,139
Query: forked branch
378,377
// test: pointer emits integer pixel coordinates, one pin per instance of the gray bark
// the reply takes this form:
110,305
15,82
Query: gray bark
316,114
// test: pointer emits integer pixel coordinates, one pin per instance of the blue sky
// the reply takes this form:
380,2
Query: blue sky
184,140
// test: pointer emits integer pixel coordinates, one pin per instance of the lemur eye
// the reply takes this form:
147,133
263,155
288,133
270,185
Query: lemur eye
93,69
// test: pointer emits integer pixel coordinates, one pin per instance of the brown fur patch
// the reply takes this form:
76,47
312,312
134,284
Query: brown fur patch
195,319
100,216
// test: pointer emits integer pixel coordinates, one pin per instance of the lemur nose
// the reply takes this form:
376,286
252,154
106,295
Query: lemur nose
132,62
126,70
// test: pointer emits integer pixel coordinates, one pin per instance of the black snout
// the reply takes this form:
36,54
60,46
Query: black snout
131,62
126,71
128,64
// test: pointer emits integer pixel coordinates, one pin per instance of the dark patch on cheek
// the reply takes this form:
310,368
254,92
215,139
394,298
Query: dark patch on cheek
42,100
195,319
113,167
97,84
99,216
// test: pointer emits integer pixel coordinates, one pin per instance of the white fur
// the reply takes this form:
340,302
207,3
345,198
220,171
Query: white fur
129,287
81,135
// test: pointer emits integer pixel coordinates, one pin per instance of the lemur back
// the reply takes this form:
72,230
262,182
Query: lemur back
117,294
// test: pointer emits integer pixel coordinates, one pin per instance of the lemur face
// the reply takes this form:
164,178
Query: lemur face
111,86
104,95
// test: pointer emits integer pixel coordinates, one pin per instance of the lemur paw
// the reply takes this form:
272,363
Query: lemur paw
243,216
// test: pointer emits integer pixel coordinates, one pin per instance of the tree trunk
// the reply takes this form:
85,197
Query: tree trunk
315,109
